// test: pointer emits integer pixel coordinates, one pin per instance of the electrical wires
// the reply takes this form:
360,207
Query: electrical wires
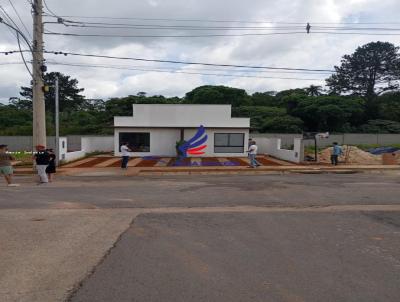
19,17
152,30
178,71
185,62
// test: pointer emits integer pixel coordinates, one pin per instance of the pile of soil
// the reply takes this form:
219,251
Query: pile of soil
355,156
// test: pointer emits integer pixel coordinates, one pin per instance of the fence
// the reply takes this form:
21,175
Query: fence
343,139
24,143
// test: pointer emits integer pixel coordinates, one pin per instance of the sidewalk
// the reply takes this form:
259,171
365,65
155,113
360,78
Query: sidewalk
215,170
109,166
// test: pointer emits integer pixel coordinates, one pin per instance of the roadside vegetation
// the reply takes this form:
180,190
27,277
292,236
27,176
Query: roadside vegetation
362,96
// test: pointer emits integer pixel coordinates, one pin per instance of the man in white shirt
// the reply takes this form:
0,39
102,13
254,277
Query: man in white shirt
252,154
125,155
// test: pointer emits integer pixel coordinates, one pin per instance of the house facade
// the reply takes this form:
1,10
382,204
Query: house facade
203,130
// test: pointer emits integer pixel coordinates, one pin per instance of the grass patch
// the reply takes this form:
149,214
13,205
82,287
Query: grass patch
23,158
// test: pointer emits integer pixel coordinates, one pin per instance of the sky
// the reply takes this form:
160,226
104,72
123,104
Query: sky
310,51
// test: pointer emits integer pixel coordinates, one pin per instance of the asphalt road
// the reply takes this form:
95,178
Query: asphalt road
252,257
204,191
202,238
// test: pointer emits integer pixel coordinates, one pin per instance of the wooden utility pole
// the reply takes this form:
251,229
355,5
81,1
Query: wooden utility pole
38,68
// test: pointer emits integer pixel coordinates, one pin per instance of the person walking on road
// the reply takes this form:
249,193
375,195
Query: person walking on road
125,155
42,160
51,168
336,152
253,154
6,166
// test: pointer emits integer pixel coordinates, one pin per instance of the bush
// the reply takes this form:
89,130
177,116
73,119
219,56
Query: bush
380,126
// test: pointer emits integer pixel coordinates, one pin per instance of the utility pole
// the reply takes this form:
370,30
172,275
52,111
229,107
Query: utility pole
57,93
38,68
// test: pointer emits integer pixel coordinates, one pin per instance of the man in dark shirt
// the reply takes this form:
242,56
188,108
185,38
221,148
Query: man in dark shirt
42,160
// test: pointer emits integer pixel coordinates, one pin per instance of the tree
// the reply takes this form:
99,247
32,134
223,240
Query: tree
15,121
380,126
70,97
314,90
258,114
283,124
371,70
328,113
20,104
284,93
389,104
218,95
264,99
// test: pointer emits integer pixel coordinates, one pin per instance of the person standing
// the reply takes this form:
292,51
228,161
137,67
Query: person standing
336,152
253,154
51,168
42,160
125,155
6,166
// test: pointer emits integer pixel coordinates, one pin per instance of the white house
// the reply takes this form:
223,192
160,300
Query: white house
154,130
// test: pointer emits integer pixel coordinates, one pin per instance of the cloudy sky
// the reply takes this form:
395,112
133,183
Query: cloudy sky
313,51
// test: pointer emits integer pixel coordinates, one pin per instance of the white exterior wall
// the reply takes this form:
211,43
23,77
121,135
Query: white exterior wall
162,141
164,122
63,145
272,146
97,144
209,151
181,116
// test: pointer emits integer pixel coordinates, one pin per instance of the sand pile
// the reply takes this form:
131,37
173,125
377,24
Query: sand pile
352,155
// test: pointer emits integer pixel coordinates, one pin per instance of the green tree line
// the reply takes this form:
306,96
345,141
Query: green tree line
362,96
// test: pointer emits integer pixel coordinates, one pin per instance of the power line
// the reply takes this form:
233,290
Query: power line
22,55
182,72
49,10
175,62
185,62
19,17
80,24
219,21
205,28
171,36
217,35
8,18
212,69
174,27
14,35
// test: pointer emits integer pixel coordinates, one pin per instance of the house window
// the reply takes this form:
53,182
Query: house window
137,141
228,142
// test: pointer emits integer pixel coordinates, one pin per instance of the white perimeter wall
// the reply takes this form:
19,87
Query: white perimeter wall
162,141
97,144
71,156
272,146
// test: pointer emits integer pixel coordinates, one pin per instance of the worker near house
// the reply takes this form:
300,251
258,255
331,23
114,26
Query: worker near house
42,160
125,155
249,145
336,152
253,154
6,166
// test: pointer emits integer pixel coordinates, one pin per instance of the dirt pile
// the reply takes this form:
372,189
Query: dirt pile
352,155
